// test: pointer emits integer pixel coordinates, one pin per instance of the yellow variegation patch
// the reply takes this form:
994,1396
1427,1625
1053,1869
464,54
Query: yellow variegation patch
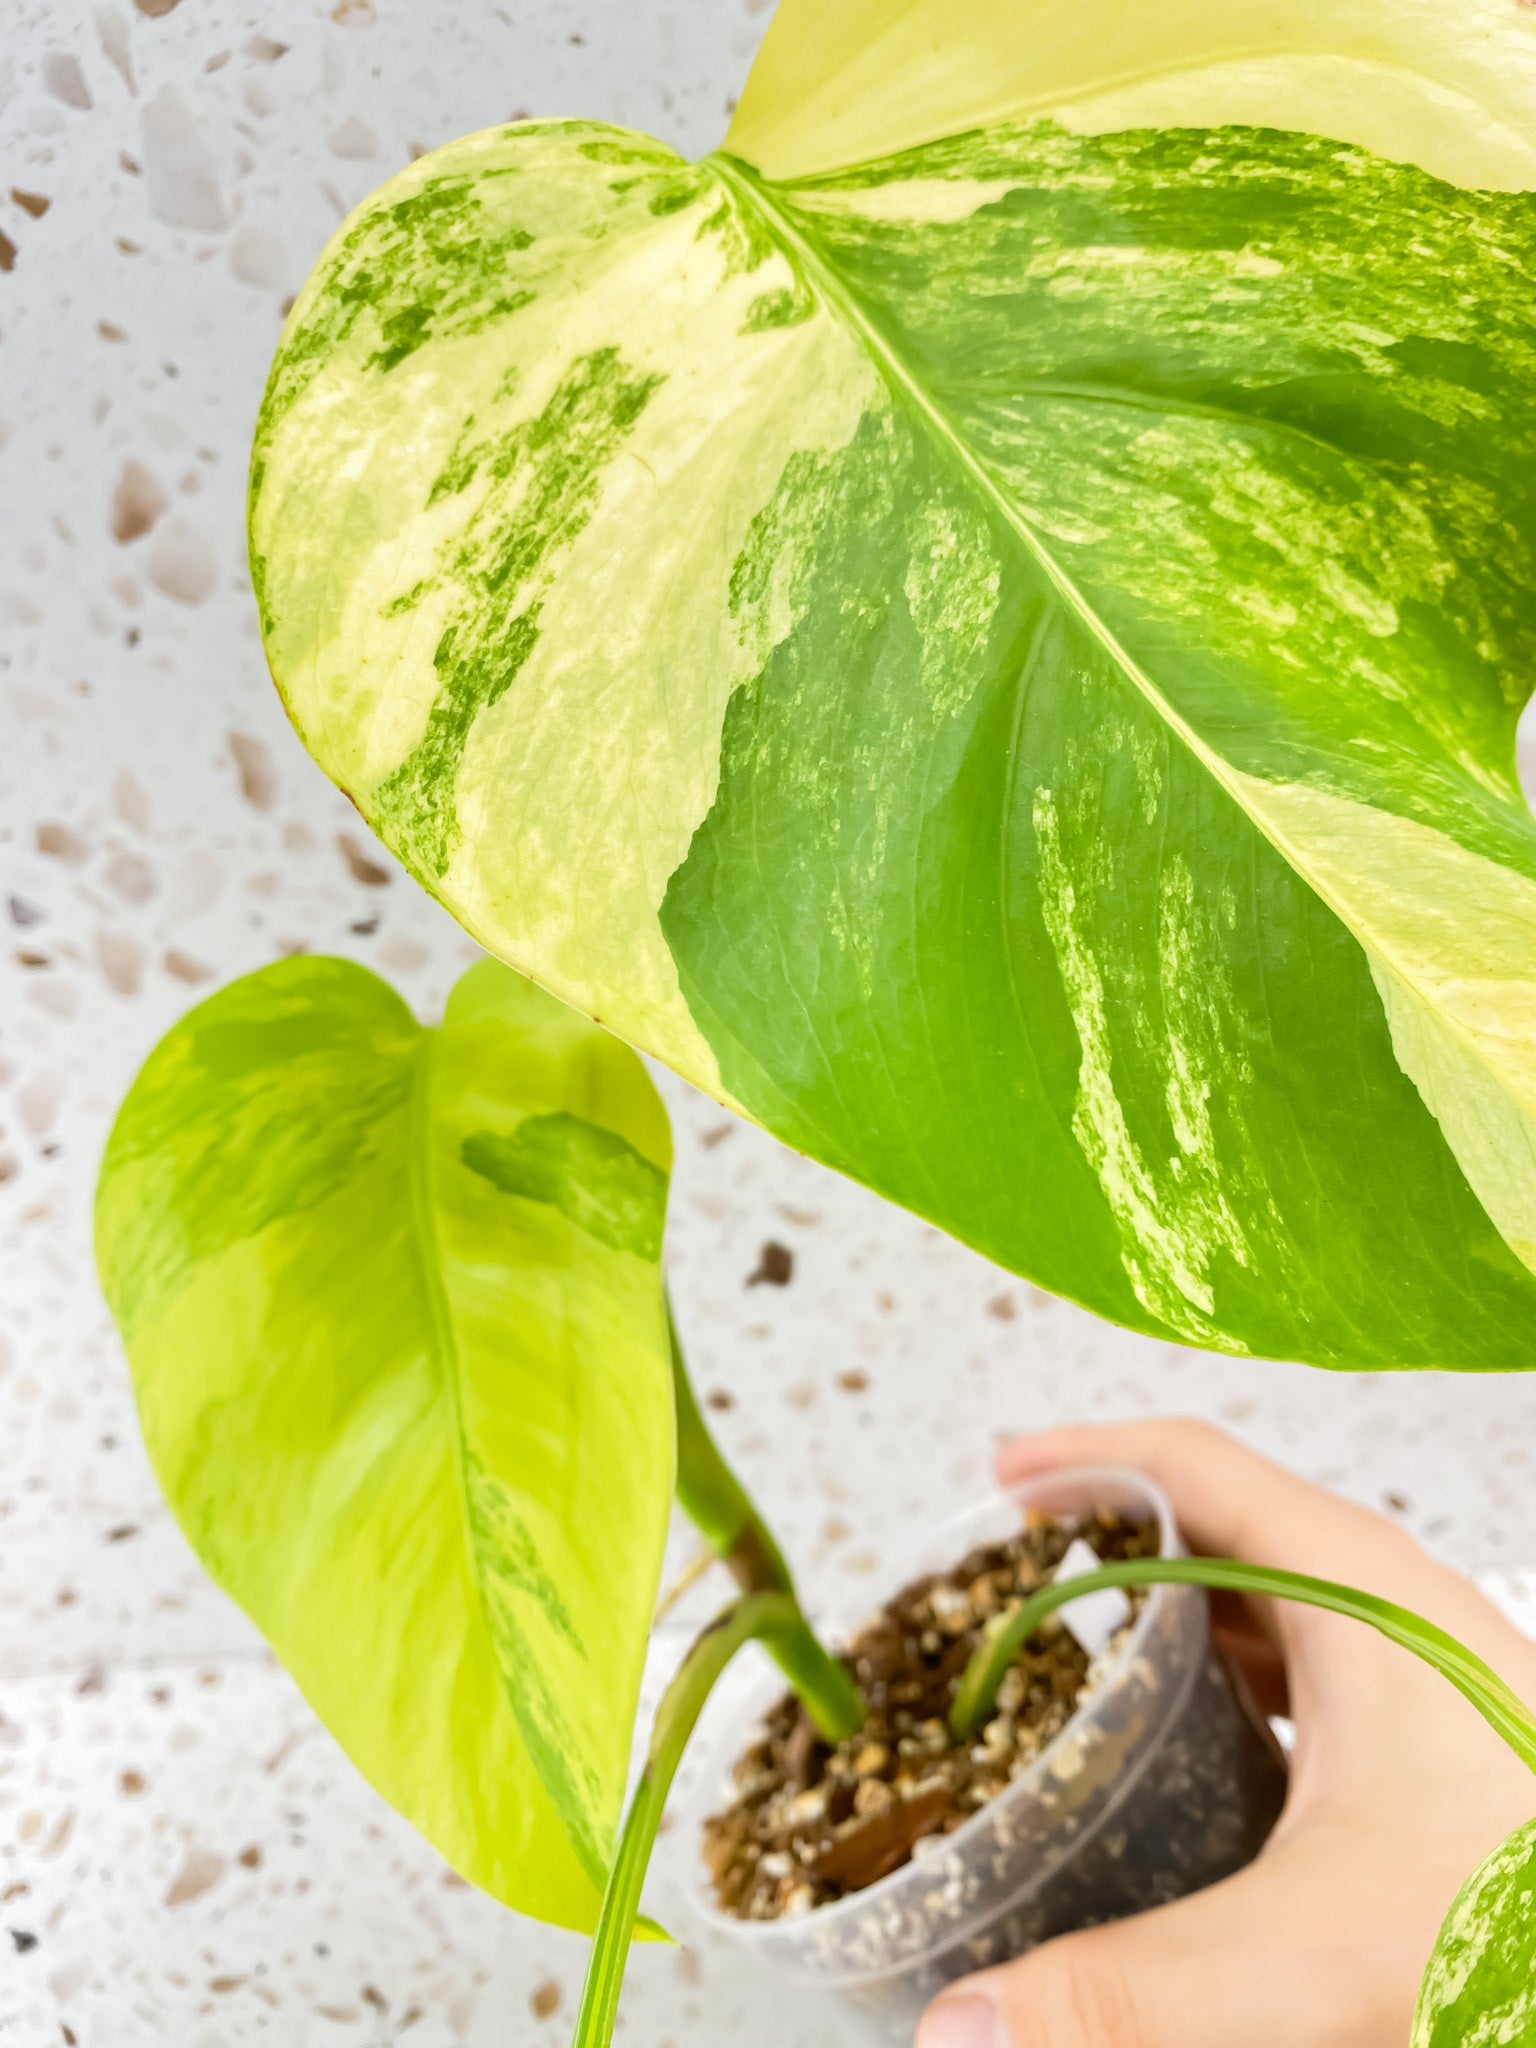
1449,89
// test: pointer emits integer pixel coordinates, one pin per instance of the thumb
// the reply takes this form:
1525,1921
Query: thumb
1204,1972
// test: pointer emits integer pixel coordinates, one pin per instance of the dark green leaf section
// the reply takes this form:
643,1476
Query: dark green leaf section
878,976
541,480
969,919
593,1176
1480,1988
831,891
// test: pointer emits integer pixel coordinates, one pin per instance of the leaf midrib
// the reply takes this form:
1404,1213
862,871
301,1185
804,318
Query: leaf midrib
751,190
424,1234
427,1242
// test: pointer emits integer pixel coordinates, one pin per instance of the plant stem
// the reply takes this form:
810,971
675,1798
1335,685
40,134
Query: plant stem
767,1617
716,1502
1504,1711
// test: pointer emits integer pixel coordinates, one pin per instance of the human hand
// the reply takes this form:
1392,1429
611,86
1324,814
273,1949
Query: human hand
1398,1790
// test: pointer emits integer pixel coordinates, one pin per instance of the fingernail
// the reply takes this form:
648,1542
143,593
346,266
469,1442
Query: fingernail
964,2022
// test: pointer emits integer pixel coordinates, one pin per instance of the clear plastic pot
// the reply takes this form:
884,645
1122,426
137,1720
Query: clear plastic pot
1164,1781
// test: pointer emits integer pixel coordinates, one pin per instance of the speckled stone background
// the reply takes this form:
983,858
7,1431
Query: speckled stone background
186,1860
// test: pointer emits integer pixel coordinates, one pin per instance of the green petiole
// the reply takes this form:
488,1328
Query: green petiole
771,1618
769,1612
1500,1708
714,1499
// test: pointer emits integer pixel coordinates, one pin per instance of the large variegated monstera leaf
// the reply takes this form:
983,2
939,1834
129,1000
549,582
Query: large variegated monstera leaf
985,622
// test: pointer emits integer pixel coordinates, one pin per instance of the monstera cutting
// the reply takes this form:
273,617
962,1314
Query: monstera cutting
984,624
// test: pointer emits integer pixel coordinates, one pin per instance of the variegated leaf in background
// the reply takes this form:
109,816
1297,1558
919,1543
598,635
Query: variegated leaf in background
392,1302
985,624
1480,1988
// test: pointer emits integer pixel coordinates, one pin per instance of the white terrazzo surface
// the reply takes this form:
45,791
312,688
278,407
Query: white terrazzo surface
185,1859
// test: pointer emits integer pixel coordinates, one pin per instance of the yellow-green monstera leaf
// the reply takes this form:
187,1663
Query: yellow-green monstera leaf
392,1302
984,623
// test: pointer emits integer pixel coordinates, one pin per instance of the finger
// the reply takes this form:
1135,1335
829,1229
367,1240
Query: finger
1213,1970
1228,1500
1231,1502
